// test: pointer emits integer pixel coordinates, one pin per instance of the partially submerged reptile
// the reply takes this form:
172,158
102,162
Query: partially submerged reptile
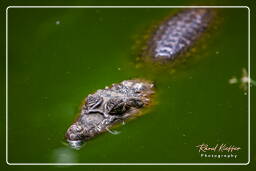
175,35
107,107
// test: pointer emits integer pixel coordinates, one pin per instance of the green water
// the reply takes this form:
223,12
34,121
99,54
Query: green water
58,56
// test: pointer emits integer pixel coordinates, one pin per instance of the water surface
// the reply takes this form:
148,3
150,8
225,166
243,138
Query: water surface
58,56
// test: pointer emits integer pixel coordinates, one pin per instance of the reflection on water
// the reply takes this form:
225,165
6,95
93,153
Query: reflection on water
75,144
64,155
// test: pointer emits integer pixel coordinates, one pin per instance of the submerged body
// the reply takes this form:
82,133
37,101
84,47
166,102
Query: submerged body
108,106
178,33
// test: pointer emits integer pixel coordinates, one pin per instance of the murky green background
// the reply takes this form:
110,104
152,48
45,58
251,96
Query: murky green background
49,62
58,56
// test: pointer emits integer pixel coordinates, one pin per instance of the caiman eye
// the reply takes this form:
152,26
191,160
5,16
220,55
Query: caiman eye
118,109
136,103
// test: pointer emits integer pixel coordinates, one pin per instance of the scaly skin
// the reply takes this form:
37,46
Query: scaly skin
178,33
108,106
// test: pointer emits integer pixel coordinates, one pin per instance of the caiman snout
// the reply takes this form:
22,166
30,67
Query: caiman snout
75,133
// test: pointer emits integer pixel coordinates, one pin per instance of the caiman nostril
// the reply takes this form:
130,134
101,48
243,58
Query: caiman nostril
79,128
